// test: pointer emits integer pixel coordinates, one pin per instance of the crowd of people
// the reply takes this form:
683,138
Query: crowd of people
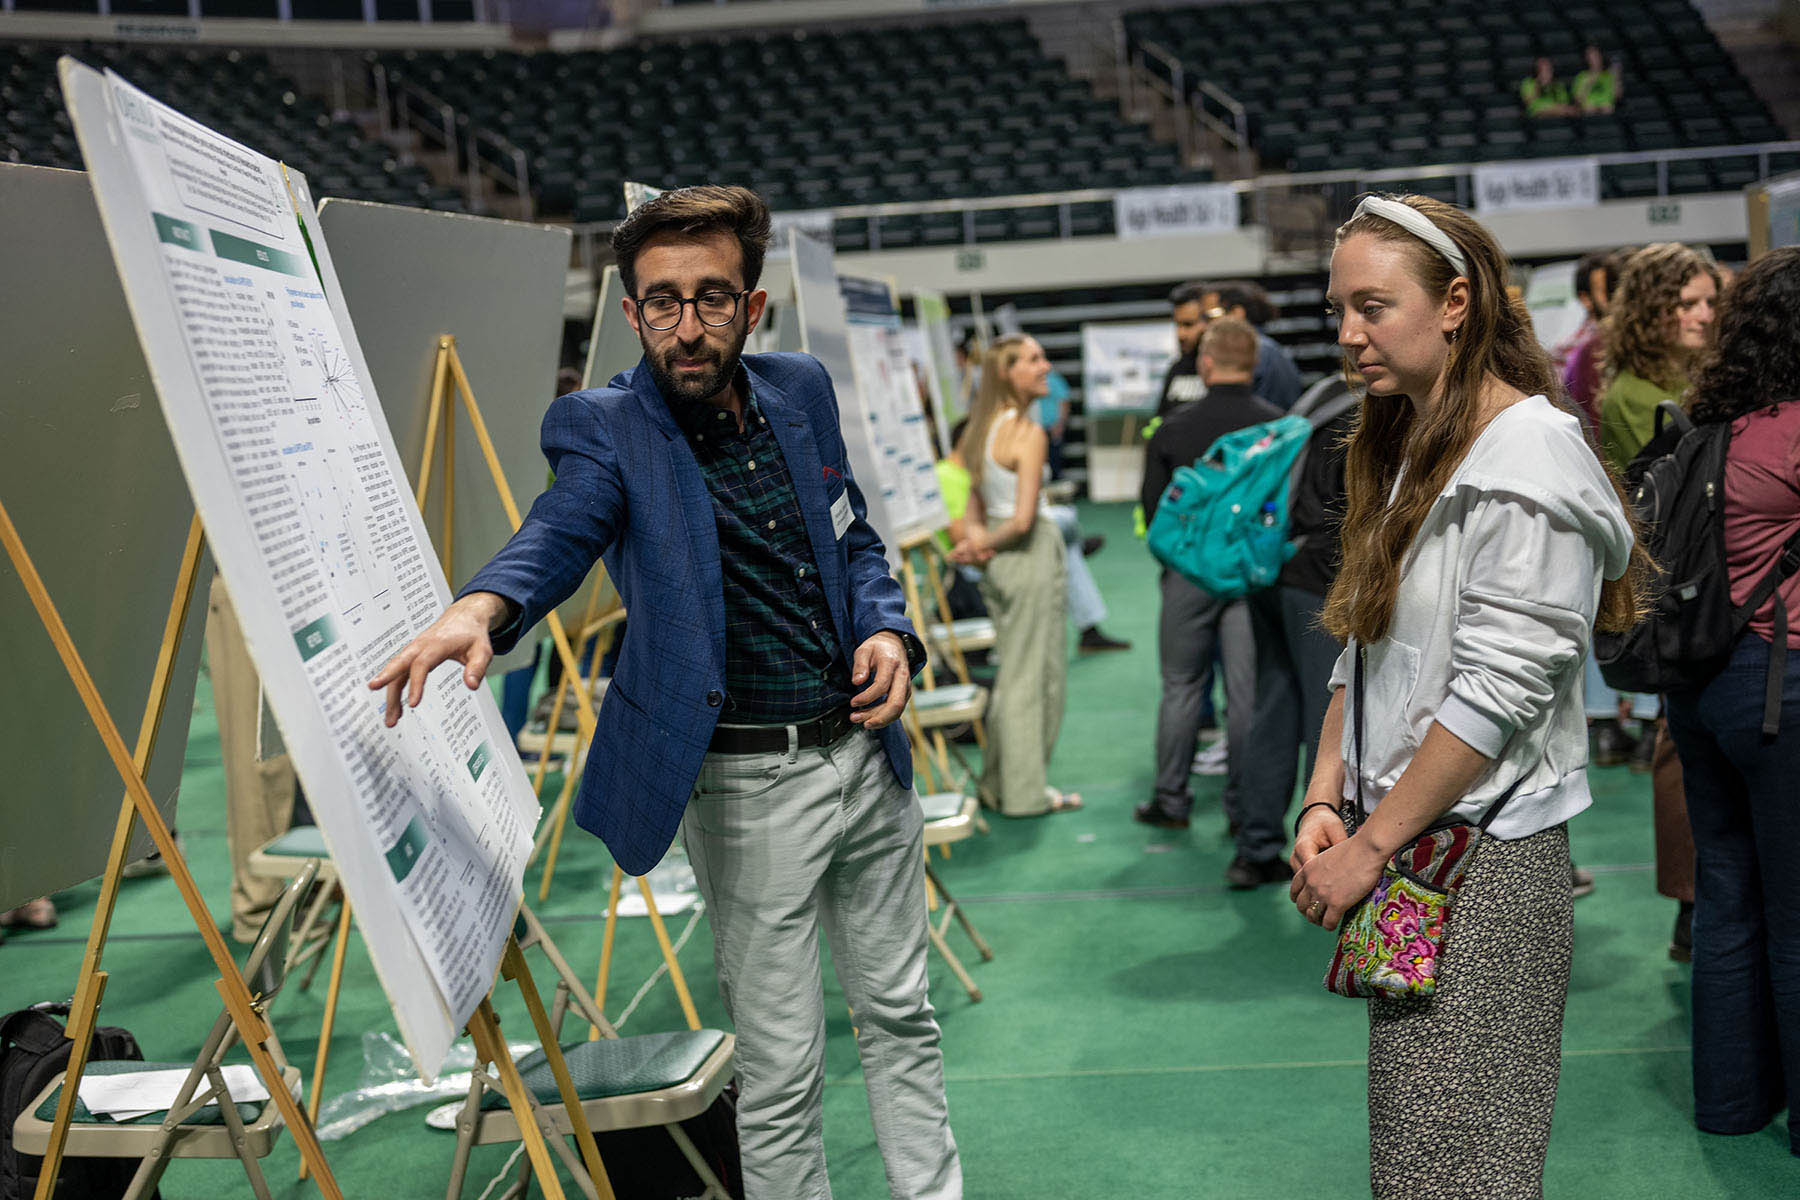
1462,535
1421,674
1596,88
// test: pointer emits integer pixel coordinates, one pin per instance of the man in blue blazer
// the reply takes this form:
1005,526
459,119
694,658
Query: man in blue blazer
766,660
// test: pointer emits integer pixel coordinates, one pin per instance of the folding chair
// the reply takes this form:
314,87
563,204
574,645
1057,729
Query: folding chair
950,817
196,1126
631,1082
284,857
970,633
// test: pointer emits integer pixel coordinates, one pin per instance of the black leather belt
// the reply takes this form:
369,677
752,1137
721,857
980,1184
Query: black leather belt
773,739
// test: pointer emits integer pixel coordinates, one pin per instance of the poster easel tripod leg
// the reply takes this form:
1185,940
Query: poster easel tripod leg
448,374
244,1008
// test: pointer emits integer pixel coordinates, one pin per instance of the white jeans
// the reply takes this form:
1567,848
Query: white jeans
782,843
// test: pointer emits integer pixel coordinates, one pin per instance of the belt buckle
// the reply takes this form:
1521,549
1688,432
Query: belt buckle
834,725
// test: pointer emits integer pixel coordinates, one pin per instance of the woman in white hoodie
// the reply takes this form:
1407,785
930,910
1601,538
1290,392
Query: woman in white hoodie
1483,541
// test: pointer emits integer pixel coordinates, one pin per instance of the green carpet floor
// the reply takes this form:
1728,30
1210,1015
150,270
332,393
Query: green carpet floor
1145,1032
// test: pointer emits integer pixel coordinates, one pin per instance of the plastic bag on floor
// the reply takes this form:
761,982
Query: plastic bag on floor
390,1084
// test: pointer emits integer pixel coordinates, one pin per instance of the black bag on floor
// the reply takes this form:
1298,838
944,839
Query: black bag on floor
32,1051
646,1164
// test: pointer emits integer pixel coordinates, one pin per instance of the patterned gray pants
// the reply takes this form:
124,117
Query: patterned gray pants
1461,1086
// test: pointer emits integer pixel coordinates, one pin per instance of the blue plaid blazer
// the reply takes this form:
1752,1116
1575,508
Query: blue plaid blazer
629,490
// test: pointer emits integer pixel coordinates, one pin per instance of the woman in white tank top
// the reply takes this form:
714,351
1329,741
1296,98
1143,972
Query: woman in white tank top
1004,451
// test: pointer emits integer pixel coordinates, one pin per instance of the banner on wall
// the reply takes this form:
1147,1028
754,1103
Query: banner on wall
1169,211
815,223
1537,184
1122,365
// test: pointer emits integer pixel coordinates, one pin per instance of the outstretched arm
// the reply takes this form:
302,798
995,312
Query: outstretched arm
567,529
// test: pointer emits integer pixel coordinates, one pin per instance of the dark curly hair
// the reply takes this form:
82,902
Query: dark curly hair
1754,362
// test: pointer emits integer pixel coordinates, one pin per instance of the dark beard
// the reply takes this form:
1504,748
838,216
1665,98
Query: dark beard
696,389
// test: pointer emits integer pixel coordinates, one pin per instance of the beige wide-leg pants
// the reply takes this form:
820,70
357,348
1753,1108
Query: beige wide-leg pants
259,794
1027,598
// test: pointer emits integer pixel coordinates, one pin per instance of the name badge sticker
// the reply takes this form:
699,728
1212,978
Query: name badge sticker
840,515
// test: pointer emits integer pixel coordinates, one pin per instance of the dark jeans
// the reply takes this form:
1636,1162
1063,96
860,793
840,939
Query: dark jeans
1744,805
1294,658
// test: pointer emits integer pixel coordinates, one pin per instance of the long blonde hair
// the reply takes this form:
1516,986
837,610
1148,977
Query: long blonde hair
994,397
1381,519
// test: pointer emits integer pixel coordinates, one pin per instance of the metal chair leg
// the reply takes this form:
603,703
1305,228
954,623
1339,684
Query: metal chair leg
714,1189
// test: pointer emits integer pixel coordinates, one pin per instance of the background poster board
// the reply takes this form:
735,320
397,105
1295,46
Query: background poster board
411,275
949,402
1123,363
824,334
892,415
1550,298
91,481
286,451
1774,214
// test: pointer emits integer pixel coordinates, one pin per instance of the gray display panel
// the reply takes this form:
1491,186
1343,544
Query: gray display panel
90,478
411,275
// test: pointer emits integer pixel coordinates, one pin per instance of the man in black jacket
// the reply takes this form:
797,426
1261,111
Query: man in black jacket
1182,383
1294,654
1193,621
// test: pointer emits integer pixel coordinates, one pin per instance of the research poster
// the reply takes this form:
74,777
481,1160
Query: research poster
297,481
949,397
892,410
1123,363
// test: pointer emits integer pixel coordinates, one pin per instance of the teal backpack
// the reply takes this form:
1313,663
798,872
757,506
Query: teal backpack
1222,524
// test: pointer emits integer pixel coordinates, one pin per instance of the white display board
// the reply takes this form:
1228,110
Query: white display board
411,276
892,415
1556,311
948,403
270,407
1123,363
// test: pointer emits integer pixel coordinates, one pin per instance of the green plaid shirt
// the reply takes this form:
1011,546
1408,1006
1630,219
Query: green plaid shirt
783,662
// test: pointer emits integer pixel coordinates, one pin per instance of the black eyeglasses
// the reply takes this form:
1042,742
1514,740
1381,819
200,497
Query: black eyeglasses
663,313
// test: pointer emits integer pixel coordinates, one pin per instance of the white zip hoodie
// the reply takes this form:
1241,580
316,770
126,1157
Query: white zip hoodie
1495,613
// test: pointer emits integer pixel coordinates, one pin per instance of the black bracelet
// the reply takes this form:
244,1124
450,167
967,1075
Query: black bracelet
1309,808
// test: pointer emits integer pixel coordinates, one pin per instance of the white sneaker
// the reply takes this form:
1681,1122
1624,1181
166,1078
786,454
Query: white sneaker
1212,759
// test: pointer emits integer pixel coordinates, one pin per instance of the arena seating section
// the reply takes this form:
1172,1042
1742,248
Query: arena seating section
214,87
812,120
1328,88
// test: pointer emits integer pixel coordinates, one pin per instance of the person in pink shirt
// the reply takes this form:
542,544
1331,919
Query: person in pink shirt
1741,795
1578,359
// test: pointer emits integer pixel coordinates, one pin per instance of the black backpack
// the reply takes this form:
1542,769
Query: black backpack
32,1051
1677,488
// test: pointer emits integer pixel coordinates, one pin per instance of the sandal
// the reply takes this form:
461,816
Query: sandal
33,914
1062,801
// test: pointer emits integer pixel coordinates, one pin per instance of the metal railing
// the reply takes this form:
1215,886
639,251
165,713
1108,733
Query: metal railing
1334,189
1157,84
1232,127
483,168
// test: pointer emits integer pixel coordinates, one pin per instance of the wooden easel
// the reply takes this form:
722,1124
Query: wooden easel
447,374
449,383
245,1009
938,754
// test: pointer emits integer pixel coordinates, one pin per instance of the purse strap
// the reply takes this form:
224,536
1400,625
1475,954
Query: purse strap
1362,812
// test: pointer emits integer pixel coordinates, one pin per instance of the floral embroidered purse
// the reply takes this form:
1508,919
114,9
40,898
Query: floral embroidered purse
1389,943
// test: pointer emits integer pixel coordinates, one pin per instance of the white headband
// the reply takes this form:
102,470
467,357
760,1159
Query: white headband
1417,224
